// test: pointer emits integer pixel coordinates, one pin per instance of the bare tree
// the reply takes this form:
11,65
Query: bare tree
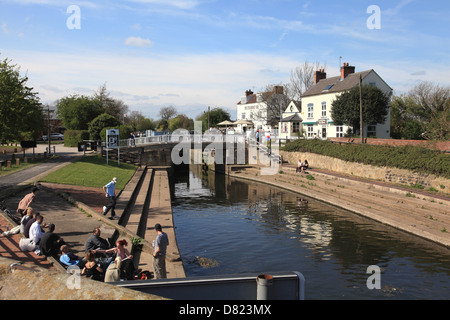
431,106
167,113
276,98
302,78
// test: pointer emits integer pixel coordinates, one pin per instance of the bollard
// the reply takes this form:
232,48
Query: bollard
8,164
264,287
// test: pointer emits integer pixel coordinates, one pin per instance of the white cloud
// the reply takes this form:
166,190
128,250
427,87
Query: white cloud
180,4
138,42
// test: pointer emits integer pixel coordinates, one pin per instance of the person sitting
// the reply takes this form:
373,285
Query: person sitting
112,274
95,242
305,165
26,230
50,242
299,166
36,233
68,258
92,269
127,266
29,215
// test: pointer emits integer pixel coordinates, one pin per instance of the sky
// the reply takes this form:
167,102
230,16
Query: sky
192,54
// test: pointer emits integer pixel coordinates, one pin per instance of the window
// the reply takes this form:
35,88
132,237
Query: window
243,115
339,132
310,131
372,131
295,127
310,110
324,109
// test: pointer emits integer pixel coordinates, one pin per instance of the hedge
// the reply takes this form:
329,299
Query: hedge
72,137
413,158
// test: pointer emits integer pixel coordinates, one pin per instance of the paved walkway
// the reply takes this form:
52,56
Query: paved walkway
77,211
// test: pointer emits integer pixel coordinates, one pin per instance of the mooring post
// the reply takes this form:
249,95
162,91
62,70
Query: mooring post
264,287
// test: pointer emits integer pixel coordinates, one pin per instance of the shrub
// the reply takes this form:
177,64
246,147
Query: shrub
72,137
412,158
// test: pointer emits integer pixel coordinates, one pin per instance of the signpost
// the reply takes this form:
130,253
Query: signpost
112,141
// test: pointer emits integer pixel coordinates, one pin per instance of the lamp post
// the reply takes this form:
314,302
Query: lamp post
360,110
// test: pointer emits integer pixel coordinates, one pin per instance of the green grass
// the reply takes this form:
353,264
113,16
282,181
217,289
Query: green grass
92,171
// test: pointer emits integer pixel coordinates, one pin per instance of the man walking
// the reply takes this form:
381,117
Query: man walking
110,190
159,256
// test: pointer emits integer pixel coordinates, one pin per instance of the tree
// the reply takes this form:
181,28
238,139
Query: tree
302,78
431,106
345,109
77,112
181,121
167,113
277,98
20,109
216,116
404,124
115,107
102,121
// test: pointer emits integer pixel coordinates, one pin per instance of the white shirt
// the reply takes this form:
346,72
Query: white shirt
35,232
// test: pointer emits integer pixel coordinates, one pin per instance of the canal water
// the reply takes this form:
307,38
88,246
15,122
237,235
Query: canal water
230,226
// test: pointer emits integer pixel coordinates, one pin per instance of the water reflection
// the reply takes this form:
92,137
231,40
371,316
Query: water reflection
251,227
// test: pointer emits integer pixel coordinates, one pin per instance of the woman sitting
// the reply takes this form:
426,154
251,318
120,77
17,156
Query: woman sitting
92,269
127,266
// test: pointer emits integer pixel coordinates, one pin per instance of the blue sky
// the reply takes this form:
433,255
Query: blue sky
198,53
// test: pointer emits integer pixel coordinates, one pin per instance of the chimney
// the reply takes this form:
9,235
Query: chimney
248,93
319,75
278,89
346,70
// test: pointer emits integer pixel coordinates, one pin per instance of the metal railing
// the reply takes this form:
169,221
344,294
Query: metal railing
280,286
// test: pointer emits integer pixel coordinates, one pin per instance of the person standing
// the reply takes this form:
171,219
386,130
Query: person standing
27,201
110,190
159,255
132,140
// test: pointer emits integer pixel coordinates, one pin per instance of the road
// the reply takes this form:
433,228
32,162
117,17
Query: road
64,156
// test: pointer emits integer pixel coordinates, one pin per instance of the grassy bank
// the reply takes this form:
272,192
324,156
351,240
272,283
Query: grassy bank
417,159
92,171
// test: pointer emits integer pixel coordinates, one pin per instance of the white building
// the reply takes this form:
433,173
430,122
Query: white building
316,103
291,123
251,107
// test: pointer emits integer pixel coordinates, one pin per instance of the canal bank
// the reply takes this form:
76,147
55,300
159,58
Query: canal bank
421,214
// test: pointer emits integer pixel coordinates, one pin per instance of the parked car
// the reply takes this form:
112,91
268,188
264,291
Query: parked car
53,136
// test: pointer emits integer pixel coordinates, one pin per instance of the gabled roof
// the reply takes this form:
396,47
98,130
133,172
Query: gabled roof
296,106
335,84
295,117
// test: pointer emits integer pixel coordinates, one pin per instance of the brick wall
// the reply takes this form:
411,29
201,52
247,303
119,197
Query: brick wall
439,145
386,174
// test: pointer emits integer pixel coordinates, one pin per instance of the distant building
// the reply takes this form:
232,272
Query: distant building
291,122
252,107
316,103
